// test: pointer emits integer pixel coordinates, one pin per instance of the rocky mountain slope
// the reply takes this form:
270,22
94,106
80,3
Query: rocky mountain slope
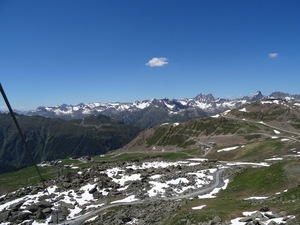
145,191
272,125
156,111
51,139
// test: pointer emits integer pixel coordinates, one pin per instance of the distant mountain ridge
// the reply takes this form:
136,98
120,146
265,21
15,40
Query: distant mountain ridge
156,111
53,138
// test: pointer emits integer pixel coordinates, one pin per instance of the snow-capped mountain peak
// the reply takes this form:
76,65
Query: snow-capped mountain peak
155,111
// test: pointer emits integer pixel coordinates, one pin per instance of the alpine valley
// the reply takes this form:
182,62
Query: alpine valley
95,128
195,161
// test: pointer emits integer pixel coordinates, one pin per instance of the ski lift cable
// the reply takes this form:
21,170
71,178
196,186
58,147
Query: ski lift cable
20,131
22,136
25,143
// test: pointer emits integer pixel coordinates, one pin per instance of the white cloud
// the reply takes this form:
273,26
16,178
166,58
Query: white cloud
157,62
273,55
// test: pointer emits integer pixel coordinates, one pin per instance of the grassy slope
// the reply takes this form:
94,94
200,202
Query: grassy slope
27,176
264,181
14,180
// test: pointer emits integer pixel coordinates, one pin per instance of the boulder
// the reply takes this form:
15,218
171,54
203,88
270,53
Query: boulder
65,211
4,216
246,219
40,214
264,209
32,208
126,219
217,219
93,190
23,215
44,204
66,185
272,222
15,207
256,215
47,210
67,205
270,216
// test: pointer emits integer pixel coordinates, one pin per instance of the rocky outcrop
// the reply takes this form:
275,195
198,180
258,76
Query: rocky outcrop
261,217
18,212
104,189
47,205
151,212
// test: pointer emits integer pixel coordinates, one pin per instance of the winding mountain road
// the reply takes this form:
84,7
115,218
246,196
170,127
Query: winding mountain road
218,182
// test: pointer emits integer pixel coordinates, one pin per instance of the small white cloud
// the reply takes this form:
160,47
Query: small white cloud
157,62
273,55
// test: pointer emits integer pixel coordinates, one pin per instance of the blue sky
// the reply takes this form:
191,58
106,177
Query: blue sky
71,51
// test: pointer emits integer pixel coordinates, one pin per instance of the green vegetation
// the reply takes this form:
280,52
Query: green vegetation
159,133
126,157
262,149
260,182
296,125
252,136
27,176
187,134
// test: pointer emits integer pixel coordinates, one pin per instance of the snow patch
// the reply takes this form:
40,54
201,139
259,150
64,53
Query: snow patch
285,139
228,149
128,199
274,159
198,207
243,110
250,198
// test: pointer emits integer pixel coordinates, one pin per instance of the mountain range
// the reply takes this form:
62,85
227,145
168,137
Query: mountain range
152,112
246,157
91,129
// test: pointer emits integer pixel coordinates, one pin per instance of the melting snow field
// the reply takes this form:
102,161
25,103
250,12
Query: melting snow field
85,200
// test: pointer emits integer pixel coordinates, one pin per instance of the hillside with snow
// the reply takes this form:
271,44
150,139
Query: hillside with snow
174,173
